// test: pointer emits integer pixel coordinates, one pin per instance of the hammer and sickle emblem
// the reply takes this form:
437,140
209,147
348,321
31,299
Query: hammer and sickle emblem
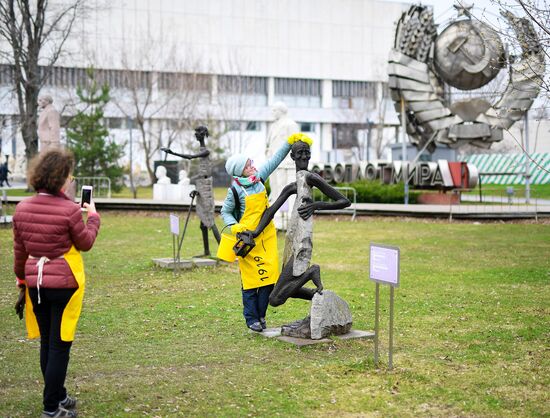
476,65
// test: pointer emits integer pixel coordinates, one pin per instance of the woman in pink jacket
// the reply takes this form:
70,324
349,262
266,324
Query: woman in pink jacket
49,234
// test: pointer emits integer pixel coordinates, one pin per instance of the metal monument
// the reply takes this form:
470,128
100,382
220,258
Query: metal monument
466,55
203,192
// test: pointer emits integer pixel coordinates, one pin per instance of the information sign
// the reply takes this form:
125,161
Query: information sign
384,264
174,224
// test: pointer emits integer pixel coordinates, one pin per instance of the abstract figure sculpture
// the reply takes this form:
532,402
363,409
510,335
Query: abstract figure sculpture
203,192
467,55
297,271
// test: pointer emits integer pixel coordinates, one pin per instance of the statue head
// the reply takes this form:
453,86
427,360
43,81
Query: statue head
160,174
300,154
44,101
279,110
201,132
182,177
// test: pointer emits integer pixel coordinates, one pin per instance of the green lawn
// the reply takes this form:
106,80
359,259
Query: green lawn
471,328
537,191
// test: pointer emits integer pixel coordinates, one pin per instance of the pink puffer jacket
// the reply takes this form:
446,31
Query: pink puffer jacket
47,225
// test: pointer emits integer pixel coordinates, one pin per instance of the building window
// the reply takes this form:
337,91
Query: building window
233,125
353,94
298,92
115,123
307,127
253,126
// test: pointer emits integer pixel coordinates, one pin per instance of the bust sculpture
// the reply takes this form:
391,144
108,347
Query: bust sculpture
282,127
183,180
48,124
160,174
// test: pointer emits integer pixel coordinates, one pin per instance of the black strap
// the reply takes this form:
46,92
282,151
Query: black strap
237,210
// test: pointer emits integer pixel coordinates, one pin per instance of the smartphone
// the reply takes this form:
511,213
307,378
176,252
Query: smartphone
85,196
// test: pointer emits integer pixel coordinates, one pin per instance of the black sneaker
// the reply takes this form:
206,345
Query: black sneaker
256,326
263,323
68,403
59,413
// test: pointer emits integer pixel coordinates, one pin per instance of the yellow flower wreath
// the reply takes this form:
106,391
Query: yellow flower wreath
299,136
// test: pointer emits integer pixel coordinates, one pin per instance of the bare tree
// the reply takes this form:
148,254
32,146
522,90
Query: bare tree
162,104
36,32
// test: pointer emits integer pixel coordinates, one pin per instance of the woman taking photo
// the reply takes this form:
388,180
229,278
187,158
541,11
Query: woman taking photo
49,234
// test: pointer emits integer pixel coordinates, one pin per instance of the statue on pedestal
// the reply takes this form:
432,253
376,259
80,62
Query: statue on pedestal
203,192
297,271
280,130
48,124
160,174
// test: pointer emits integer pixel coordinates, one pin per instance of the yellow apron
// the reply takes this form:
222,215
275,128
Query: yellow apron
71,313
261,266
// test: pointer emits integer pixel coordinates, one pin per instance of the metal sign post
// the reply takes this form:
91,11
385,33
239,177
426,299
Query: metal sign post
384,269
175,230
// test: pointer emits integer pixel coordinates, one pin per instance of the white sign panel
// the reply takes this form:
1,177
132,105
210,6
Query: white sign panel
384,264
174,224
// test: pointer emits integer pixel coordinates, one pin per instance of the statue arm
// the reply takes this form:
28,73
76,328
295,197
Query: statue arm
201,154
339,200
270,165
269,213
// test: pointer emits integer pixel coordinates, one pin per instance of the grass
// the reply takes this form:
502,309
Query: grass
537,191
471,328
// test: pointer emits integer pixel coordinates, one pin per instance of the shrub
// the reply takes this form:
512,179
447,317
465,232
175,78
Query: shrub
369,191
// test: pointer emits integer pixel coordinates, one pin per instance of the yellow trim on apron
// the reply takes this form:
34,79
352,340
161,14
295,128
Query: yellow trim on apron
71,313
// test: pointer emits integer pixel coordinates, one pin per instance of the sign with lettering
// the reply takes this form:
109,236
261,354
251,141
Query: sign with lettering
441,175
384,264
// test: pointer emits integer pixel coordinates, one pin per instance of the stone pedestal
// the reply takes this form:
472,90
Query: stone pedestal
329,315
173,192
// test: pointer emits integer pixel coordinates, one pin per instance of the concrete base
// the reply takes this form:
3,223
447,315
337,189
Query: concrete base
170,264
300,342
439,199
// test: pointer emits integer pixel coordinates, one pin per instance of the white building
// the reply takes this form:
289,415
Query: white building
192,61
326,59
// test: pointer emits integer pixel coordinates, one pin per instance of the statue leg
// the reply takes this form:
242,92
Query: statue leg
204,230
216,233
289,286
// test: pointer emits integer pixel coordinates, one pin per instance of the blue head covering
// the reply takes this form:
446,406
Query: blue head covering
235,165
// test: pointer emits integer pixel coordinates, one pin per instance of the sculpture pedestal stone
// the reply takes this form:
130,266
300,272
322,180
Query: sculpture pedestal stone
173,192
329,315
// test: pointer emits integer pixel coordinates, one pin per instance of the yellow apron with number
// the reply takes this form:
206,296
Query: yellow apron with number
71,313
261,265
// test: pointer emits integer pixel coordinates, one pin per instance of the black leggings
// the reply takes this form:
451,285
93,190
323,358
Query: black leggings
54,353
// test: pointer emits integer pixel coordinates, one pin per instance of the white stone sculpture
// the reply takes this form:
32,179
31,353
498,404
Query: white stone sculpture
48,124
282,127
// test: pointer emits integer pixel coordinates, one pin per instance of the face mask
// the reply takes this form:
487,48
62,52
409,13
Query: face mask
247,181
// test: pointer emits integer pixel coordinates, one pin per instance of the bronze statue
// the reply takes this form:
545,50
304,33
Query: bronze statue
296,270
203,192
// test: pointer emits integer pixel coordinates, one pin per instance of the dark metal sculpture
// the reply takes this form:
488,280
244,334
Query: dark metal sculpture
467,54
203,184
297,270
